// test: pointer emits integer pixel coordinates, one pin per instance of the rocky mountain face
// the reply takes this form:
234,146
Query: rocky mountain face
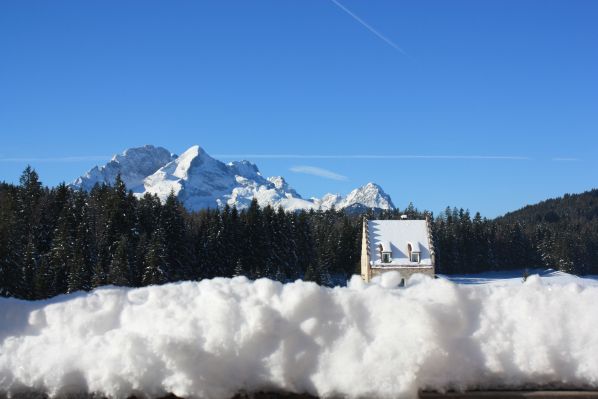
200,181
134,165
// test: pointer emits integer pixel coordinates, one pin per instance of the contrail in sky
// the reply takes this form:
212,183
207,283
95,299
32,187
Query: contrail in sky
371,156
58,159
370,28
294,156
561,159
320,172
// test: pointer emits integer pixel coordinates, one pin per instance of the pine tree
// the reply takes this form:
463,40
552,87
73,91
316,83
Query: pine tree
233,240
43,279
156,263
29,198
239,271
120,269
147,209
347,255
7,255
138,265
173,226
410,211
306,252
268,265
254,243
62,249
98,275
30,266
82,257
79,274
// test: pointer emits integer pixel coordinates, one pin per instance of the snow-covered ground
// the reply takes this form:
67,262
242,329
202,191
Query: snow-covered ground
514,277
213,338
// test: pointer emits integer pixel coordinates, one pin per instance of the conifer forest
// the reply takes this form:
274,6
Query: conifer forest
59,240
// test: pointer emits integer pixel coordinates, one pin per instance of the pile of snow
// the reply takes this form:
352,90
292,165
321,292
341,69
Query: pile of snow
201,181
213,338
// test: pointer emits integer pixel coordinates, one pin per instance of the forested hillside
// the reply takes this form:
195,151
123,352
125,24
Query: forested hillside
58,240
560,233
563,230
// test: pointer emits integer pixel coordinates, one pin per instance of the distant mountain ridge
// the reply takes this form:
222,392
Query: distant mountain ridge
200,181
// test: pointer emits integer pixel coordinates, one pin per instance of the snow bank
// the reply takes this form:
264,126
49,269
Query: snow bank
213,338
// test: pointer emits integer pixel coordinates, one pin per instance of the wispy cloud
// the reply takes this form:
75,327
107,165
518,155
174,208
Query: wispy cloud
561,159
369,27
374,156
320,172
58,159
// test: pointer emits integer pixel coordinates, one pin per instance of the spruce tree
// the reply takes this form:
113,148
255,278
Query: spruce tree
120,268
156,263
7,244
239,269
62,249
98,275
138,265
254,243
173,226
79,273
306,247
30,266
84,252
43,279
348,254
29,198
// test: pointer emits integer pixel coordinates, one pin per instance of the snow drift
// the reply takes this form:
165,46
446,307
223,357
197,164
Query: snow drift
213,338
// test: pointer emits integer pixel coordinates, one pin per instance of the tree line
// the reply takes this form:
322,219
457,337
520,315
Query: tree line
59,240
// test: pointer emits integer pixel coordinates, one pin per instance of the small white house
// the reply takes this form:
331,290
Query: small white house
400,245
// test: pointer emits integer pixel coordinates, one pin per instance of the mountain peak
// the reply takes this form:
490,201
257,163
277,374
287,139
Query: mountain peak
192,157
195,177
195,151
143,151
371,186
369,195
133,164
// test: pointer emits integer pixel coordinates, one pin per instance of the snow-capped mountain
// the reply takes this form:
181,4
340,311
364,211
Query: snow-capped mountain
200,181
370,195
134,165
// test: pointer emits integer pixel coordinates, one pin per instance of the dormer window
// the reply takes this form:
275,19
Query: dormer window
414,253
385,252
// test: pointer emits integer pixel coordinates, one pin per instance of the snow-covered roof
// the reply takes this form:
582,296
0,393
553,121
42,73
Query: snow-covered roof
415,246
396,235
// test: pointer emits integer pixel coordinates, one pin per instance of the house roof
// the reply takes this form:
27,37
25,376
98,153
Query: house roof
397,234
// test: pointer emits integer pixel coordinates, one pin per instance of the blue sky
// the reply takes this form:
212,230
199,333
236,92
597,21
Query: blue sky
497,100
